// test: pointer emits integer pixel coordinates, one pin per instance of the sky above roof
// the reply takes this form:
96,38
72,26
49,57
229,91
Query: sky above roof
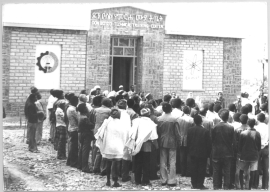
232,19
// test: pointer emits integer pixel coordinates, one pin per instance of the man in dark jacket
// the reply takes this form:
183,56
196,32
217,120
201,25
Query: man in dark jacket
249,147
223,142
199,149
32,117
169,137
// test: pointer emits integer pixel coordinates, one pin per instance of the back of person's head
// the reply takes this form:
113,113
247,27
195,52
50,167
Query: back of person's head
122,104
112,98
232,107
66,96
130,103
83,92
236,117
34,89
203,111
51,91
186,110
244,110
243,119
249,106
211,107
166,107
106,102
97,100
261,117
38,95
118,97
217,107
83,98
59,94
145,112
136,98
264,107
176,103
69,96
243,95
197,119
153,103
190,102
224,114
82,108
251,123
167,98
74,101
32,97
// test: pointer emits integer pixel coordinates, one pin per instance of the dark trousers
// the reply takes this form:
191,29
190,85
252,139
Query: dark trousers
56,138
103,165
125,169
219,165
142,167
263,166
183,160
72,159
154,163
198,170
98,158
232,172
84,150
32,146
61,148
112,167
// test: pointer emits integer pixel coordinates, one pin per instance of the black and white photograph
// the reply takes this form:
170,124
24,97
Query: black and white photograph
135,96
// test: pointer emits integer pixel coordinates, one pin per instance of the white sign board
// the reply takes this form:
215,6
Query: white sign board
192,70
47,66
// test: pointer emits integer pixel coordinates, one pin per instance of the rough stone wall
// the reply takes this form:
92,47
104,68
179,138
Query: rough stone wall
22,61
232,69
212,65
150,50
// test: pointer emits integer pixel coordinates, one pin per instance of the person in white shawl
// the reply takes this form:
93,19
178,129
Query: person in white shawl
142,133
111,138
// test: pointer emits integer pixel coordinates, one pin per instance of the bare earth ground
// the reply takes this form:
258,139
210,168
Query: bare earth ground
28,171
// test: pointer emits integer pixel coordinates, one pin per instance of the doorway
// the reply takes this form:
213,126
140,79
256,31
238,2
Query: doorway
122,72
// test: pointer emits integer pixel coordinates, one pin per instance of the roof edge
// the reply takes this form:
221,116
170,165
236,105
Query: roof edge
32,25
169,32
129,7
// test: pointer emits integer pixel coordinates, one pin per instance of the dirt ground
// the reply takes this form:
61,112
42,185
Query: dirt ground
28,171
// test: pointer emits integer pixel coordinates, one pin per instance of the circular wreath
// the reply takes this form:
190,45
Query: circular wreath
54,58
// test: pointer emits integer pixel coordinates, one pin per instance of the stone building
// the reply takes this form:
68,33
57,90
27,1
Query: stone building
124,46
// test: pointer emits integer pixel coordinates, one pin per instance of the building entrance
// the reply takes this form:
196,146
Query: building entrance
123,60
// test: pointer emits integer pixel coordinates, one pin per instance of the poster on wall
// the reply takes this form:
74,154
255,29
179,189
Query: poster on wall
192,70
47,66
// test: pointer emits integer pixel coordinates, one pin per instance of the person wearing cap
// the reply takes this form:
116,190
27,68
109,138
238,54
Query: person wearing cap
238,173
101,113
263,162
111,139
249,147
131,91
41,113
32,116
220,100
169,139
199,149
121,90
232,109
141,135
185,122
222,150
85,135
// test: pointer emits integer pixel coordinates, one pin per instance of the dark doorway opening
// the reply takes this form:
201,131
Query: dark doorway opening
122,72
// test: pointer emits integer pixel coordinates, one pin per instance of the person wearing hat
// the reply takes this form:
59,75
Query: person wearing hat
238,173
41,114
249,148
169,139
199,149
263,162
31,111
185,122
222,151
141,135
111,138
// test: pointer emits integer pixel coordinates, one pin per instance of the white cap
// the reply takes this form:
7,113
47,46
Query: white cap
121,86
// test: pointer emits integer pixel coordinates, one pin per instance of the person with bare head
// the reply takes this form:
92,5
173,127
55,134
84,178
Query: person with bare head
41,114
220,100
166,99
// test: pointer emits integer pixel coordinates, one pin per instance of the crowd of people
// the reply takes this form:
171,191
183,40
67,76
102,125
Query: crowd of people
131,133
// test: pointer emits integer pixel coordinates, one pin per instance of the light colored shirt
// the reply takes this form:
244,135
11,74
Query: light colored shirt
210,115
262,128
51,101
72,119
59,114
236,124
177,113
